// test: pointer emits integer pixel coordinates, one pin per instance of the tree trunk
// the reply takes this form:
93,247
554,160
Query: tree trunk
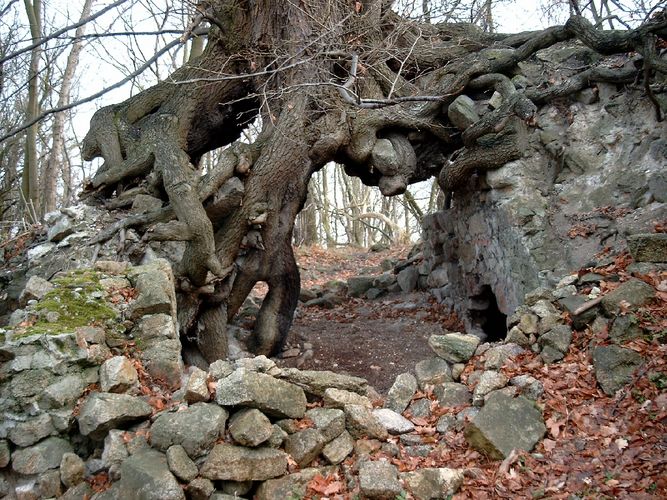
330,81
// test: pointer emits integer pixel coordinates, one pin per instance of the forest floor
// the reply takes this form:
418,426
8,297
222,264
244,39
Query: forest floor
596,446
374,339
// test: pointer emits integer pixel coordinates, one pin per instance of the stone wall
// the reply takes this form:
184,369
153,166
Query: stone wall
594,172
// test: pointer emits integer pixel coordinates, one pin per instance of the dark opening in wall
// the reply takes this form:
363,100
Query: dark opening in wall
486,315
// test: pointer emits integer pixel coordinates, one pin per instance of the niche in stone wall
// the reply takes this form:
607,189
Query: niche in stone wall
486,316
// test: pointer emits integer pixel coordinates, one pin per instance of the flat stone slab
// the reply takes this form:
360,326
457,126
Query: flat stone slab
505,423
103,411
614,366
250,427
395,423
274,397
146,476
648,247
316,382
454,347
41,457
236,463
634,292
401,392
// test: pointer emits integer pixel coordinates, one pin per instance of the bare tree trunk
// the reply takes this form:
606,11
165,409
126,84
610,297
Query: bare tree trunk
55,158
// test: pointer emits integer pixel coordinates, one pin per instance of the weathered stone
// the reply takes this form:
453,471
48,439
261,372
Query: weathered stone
199,489
72,469
49,485
432,483
379,480
614,366
257,390
420,408
5,454
454,347
41,457
452,394
408,278
490,380
625,328
196,428
196,389
260,364
445,423
497,356
337,398
329,421
337,450
103,411
316,382
155,284
220,369
60,230
180,464
357,286
304,446
461,112
236,488
290,486
26,489
432,371
236,463
35,289
162,360
361,422
394,422
30,431
115,450
277,438
145,203
558,338
516,336
504,424
146,476
633,292
117,374
250,427
571,304
401,392
529,386
648,247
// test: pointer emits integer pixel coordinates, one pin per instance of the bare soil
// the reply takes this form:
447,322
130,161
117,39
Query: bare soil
374,339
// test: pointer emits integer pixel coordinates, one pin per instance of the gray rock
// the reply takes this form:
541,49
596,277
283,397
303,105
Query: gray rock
614,366
361,422
117,374
529,386
408,279
236,488
454,347
180,463
257,390
196,389
60,230
49,485
220,369
432,483
516,336
30,431
445,423
432,371
395,423
420,408
199,489
115,450
162,360
490,380
558,339
357,286
634,292
145,203
505,423
155,284
81,490
27,489
290,486
401,392
5,454
277,438
379,480
250,427
146,476
236,463
337,450
316,382
337,398
625,328
304,446
35,289
103,411
72,469
497,356
571,304
648,247
41,457
196,428
462,112
329,421
452,394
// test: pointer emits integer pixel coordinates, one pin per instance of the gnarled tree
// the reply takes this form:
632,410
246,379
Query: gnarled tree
330,80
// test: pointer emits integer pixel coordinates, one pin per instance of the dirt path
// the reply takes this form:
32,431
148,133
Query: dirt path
375,339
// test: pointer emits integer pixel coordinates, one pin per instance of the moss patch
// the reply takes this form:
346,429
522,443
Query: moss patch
78,300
